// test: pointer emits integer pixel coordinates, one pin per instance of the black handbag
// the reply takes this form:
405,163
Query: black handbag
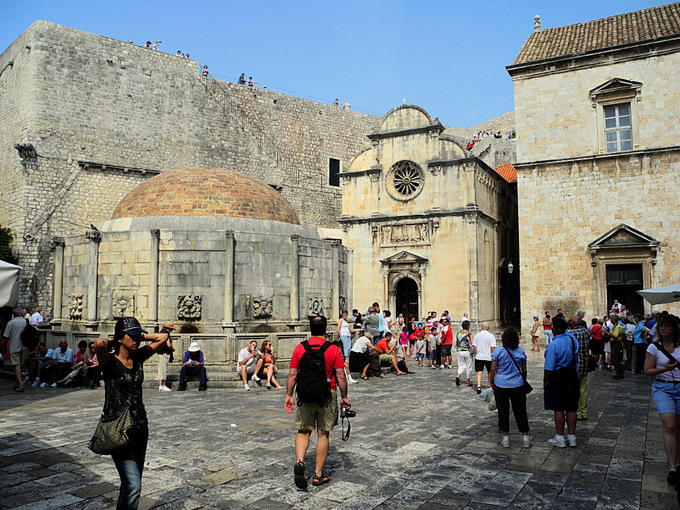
111,437
528,388
114,436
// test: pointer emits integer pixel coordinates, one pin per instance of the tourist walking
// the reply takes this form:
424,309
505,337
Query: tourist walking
508,373
464,348
122,360
535,341
317,407
345,336
547,328
661,361
484,344
165,357
578,329
561,383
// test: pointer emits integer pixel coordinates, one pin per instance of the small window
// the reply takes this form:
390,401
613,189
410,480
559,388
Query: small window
618,128
333,171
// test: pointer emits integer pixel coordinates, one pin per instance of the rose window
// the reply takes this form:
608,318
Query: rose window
404,180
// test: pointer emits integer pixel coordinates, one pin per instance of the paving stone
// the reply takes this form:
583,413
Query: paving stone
431,456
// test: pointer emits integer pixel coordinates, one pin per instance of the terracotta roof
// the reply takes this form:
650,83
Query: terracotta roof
507,172
623,29
206,192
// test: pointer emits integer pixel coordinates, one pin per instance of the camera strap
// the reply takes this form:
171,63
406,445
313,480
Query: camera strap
345,436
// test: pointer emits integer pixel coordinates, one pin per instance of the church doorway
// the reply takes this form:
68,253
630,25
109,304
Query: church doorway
407,298
623,282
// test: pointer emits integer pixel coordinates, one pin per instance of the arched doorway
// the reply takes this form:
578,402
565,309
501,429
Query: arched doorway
407,298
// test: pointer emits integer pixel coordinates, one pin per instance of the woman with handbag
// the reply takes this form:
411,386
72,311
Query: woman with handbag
508,378
661,361
123,430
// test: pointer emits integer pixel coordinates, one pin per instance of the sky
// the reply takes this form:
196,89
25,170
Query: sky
448,57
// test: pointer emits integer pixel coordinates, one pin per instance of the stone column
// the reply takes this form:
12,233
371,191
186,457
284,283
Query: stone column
473,273
58,291
421,298
95,237
386,283
494,274
350,280
153,274
335,279
229,280
295,278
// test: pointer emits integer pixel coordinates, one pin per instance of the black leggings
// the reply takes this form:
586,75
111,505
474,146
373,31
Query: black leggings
518,398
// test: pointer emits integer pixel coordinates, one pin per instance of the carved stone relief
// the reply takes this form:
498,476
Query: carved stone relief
343,304
75,307
123,305
189,307
262,307
405,234
316,306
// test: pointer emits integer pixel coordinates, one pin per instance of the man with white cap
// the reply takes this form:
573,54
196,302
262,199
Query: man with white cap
164,357
193,365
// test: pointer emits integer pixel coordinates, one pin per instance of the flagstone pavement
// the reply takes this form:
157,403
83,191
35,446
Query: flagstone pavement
418,442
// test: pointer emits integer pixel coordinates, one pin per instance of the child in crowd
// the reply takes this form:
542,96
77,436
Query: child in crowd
434,342
420,351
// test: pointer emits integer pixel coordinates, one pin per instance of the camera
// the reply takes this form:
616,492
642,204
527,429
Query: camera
346,412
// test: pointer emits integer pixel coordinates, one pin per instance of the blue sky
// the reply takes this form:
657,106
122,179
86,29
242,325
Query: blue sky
447,56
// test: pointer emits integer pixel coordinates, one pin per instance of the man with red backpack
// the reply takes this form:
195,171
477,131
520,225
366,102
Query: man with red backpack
316,371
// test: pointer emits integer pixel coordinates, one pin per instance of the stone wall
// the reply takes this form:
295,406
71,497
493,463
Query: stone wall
104,115
559,219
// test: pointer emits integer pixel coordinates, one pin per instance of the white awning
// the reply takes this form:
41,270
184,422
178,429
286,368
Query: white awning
9,284
661,295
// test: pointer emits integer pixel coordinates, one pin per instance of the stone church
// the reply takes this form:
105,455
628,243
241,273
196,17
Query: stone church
431,226
598,161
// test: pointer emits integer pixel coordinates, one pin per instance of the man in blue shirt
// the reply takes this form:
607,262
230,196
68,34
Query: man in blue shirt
561,383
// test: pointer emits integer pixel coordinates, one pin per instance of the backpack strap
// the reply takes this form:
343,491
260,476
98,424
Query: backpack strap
306,345
516,364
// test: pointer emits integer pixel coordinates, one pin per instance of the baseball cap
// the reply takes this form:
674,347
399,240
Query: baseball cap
132,327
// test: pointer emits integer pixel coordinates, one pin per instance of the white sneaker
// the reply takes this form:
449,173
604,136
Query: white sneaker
44,385
26,380
506,442
256,378
247,388
352,380
164,388
526,443
572,442
36,382
54,385
559,443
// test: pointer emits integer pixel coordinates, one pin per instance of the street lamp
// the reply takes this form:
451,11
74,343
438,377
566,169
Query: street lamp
511,267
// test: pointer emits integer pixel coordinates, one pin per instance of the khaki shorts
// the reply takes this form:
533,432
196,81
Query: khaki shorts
313,416
163,360
18,358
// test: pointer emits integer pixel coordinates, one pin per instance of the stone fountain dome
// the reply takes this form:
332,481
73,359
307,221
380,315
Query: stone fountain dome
206,192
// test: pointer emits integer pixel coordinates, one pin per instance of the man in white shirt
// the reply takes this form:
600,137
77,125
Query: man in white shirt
249,363
36,318
484,344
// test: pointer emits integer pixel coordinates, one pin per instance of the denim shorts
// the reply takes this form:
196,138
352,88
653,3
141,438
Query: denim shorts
346,344
666,397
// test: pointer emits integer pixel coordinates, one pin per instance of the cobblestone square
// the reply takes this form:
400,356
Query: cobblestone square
418,442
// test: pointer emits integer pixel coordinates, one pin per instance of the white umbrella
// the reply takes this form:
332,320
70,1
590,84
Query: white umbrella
660,295
9,284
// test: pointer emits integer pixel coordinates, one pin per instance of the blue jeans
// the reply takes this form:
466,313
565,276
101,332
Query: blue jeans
548,336
130,465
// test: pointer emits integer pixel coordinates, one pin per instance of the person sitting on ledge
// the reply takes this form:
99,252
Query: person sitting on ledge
250,362
387,349
193,365
269,365
362,356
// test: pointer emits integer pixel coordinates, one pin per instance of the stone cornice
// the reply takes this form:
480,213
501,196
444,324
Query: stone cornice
92,165
437,128
435,213
596,157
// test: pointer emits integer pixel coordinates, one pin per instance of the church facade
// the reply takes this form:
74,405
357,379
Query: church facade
431,227
598,151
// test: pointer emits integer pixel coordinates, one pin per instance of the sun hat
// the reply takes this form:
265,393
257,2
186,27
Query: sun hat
194,347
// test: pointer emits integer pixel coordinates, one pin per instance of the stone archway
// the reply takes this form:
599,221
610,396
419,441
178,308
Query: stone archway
406,298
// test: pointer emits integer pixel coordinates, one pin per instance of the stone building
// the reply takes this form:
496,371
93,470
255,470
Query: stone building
85,119
431,226
598,150
213,250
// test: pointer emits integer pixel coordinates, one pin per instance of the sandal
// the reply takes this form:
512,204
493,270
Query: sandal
364,377
382,376
300,480
320,480
479,390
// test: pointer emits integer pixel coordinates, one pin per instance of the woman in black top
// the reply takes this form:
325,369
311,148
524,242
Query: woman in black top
121,361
